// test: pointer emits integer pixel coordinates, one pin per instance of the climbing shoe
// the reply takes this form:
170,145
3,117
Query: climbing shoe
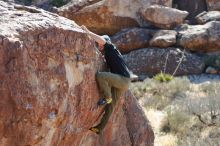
104,101
95,130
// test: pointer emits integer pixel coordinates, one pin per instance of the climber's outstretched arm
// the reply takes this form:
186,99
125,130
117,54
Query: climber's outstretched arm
100,40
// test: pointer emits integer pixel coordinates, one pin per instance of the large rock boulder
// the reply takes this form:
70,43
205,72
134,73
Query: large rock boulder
213,5
200,38
150,61
194,7
163,38
163,17
48,89
135,117
132,39
109,16
208,16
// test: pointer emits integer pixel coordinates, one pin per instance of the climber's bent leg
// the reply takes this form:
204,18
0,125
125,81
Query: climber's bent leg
112,86
108,111
106,81
104,87
116,93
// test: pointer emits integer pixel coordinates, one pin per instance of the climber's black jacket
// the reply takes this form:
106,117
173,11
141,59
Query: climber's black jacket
115,61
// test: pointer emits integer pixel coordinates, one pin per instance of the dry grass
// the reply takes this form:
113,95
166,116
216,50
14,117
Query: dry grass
177,122
166,140
172,116
156,118
157,94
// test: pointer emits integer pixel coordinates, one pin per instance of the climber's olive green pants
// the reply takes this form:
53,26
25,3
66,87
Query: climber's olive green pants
111,86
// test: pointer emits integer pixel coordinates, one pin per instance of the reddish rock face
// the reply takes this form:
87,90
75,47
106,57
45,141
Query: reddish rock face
108,16
48,89
129,120
98,18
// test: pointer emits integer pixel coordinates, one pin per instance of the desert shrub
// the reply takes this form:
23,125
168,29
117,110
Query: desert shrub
188,129
177,122
162,77
207,109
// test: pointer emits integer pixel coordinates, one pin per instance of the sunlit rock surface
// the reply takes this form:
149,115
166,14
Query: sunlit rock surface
108,16
48,89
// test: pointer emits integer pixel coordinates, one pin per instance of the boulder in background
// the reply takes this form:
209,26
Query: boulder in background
150,61
208,16
200,38
163,17
163,38
132,39
109,17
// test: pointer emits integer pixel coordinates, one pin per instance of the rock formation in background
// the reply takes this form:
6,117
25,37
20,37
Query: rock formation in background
132,39
151,61
163,17
109,17
194,7
200,38
163,38
208,16
213,5
48,89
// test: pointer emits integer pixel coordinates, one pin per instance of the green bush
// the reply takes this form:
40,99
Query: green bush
162,77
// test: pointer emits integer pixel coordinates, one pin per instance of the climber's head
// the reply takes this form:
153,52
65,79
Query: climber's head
107,39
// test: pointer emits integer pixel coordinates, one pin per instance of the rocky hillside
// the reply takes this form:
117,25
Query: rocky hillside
109,16
48,89
156,36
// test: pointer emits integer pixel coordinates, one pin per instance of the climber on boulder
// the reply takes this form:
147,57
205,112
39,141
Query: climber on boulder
114,83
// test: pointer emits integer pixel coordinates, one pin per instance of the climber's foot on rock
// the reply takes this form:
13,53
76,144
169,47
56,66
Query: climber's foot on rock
104,101
95,130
